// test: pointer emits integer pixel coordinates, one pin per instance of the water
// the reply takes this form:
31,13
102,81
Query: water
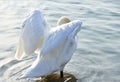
98,54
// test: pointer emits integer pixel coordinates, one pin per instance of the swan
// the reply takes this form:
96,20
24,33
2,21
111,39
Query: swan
32,36
56,51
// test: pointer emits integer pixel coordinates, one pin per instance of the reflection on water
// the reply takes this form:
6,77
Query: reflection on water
97,56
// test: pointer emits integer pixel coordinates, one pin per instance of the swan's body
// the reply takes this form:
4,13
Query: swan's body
32,35
56,51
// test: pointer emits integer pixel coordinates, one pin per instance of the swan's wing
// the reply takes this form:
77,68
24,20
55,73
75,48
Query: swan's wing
58,35
53,41
68,49
19,51
33,32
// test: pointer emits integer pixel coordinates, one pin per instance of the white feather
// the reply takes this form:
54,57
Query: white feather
19,52
33,33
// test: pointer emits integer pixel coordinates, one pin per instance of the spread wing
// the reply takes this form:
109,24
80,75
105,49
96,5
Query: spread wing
57,37
32,32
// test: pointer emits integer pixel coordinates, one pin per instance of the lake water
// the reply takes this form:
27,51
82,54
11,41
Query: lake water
97,58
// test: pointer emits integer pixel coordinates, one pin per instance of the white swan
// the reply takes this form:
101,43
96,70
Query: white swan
56,51
32,36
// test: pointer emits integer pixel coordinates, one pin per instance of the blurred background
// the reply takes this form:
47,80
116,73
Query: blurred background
97,58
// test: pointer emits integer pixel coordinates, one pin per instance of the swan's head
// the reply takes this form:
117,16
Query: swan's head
63,20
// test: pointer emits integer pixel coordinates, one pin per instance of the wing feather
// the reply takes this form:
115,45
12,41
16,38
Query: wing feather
57,36
19,51
33,31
